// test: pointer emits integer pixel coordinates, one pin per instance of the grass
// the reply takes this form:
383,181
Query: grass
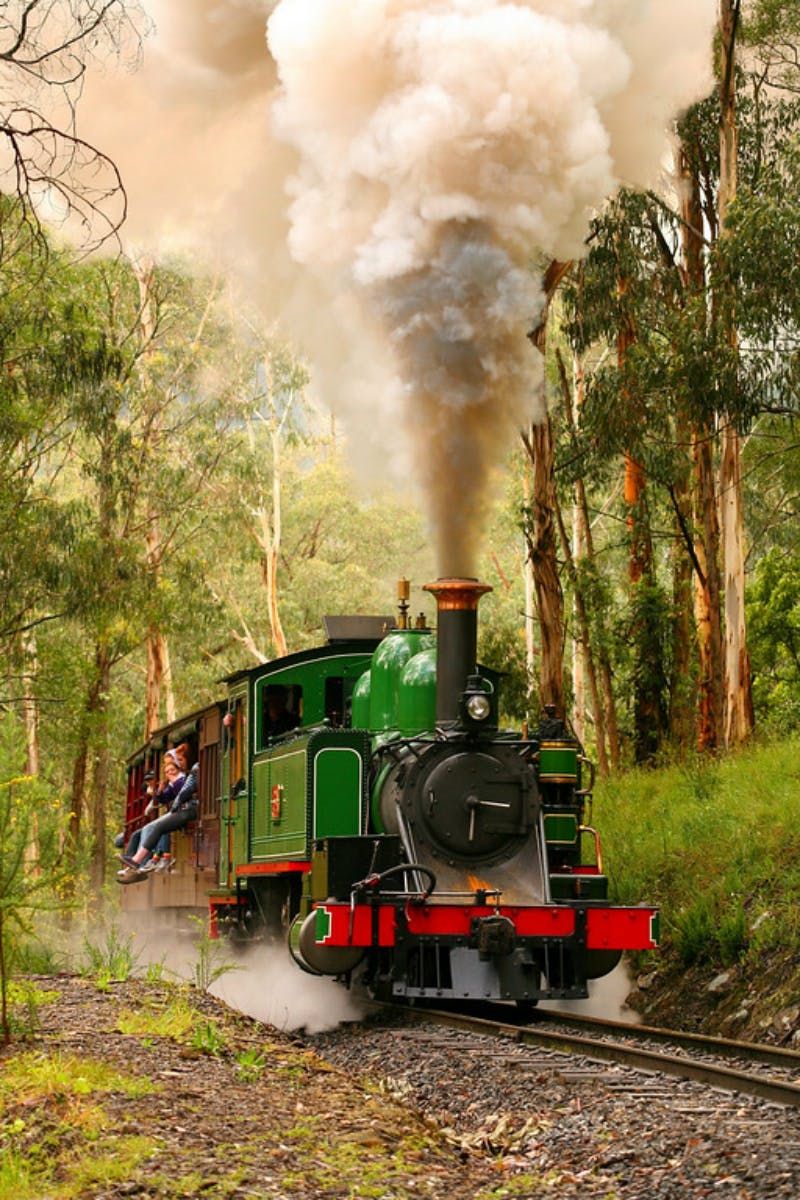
25,999
31,1076
38,1174
57,1140
111,960
715,844
176,1020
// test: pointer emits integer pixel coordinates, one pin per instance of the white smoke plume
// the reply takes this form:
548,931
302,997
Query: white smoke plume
257,979
447,149
437,154
268,986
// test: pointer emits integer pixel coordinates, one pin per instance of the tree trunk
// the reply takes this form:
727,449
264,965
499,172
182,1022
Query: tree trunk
580,644
159,682
158,667
530,603
5,1024
30,715
541,536
583,639
30,707
606,723
707,595
269,528
648,668
96,697
278,636
100,773
739,717
682,683
547,584
738,693
707,589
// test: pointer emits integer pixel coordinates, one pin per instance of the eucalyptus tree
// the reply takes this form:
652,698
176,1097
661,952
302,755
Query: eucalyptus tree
148,408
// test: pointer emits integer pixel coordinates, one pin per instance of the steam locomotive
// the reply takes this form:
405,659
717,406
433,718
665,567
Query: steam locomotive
394,832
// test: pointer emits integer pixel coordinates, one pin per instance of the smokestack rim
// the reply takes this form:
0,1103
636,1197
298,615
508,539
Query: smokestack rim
454,594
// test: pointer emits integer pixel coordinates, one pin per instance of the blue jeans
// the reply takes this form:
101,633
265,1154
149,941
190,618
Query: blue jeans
166,824
135,840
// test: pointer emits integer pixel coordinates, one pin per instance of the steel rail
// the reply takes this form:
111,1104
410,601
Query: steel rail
774,1056
725,1078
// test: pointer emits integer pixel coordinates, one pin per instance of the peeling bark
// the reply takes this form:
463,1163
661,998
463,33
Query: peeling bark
540,533
739,720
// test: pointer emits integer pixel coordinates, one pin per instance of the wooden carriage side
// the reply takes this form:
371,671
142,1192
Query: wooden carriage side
196,848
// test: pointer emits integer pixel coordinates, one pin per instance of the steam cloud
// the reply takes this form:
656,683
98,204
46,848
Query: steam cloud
437,153
448,147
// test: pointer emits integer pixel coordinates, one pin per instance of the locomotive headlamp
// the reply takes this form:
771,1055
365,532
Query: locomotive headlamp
479,707
476,701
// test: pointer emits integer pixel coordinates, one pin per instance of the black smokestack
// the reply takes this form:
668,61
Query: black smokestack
456,640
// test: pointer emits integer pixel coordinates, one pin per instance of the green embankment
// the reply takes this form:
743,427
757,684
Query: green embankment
716,845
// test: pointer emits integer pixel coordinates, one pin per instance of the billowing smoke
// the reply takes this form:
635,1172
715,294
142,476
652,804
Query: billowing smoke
450,148
190,129
437,154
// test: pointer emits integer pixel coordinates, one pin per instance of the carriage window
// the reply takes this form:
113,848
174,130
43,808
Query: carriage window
281,707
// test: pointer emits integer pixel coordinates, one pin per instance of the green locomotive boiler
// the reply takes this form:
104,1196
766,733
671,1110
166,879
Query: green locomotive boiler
387,827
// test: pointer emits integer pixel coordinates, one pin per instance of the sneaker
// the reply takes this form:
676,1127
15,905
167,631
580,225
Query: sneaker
130,875
164,864
147,867
126,860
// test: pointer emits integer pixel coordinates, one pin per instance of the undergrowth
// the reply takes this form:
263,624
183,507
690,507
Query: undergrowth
716,844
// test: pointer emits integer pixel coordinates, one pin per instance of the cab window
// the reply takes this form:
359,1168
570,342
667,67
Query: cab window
280,711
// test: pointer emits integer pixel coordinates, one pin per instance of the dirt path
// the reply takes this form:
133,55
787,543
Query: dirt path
147,1090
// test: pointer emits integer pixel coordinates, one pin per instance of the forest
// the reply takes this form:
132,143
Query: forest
178,500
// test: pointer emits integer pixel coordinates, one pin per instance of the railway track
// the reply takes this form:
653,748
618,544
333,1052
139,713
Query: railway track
774,1074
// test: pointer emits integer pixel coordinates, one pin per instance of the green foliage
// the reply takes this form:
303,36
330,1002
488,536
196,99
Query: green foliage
774,633
29,827
38,956
715,845
155,972
111,960
250,1064
32,1076
211,963
25,999
208,1038
60,1146
693,934
176,1020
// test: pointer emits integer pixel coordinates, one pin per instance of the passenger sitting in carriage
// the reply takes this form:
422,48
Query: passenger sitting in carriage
180,792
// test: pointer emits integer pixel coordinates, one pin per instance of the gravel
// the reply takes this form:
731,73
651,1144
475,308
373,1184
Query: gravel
575,1127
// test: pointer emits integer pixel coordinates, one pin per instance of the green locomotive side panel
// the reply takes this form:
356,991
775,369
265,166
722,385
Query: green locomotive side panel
558,762
279,812
259,808
288,800
338,790
312,786
560,829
